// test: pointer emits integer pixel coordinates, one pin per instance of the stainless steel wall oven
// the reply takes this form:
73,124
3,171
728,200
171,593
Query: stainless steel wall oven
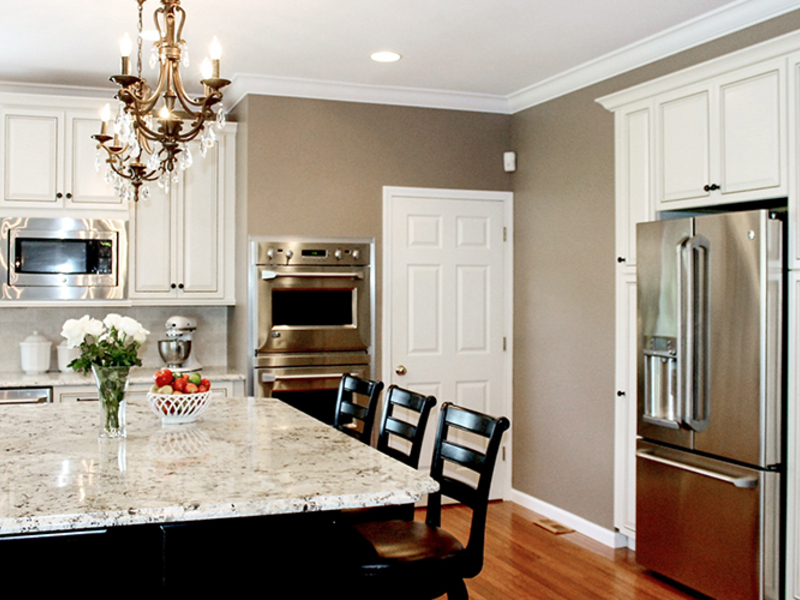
311,319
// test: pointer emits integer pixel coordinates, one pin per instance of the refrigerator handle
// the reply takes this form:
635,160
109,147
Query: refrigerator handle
746,481
697,299
684,338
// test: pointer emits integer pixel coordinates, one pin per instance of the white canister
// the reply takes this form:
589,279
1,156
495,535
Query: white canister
35,354
66,355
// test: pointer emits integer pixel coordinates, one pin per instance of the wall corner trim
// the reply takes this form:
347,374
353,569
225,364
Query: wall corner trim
607,537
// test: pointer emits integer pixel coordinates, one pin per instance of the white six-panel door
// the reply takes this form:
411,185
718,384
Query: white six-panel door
446,303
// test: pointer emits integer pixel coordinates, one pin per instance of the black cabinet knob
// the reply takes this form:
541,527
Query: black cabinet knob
59,195
620,393
180,286
620,259
69,195
173,286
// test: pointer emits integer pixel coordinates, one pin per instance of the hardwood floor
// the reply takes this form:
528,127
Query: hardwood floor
522,560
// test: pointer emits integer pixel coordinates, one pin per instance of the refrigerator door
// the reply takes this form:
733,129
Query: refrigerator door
660,406
708,524
737,275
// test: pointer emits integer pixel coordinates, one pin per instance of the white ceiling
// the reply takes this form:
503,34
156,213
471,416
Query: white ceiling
497,55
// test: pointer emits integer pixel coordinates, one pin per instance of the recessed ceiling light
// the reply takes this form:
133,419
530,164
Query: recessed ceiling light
385,56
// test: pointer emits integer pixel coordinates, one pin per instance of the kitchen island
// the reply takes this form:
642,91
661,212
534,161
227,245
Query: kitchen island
248,471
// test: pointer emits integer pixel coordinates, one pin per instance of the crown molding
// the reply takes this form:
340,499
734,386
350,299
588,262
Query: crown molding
712,25
243,84
12,87
715,24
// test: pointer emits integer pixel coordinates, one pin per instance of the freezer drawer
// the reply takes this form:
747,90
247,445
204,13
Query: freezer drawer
707,524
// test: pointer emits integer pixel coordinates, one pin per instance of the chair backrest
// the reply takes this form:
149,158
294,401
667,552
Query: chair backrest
349,413
455,422
393,427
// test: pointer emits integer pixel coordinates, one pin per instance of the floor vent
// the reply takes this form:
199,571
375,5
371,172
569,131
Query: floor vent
553,526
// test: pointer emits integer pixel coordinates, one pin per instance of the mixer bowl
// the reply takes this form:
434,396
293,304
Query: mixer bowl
174,352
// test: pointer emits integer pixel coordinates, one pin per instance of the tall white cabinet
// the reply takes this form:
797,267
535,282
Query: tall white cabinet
717,134
180,239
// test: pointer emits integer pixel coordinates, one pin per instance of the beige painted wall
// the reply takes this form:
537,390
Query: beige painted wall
564,286
317,168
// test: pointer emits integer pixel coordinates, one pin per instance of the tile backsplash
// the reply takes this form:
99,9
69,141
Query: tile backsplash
209,342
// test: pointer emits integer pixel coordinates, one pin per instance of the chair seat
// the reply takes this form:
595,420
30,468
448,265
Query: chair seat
406,542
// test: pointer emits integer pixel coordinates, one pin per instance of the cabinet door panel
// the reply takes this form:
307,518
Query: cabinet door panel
750,126
684,142
32,160
634,173
152,249
200,226
626,383
84,184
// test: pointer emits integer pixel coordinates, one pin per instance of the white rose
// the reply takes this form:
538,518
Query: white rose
93,327
112,320
141,335
74,331
131,328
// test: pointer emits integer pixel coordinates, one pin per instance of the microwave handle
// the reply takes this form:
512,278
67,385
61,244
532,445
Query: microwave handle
267,275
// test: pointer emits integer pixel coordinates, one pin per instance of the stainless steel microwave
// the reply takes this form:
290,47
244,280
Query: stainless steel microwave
63,259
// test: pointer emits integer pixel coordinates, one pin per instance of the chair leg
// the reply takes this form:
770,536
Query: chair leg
458,591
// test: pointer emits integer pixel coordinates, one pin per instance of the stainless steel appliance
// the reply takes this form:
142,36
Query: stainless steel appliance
708,496
63,259
311,319
41,395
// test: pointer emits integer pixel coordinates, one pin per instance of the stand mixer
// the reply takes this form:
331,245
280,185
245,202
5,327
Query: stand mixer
176,351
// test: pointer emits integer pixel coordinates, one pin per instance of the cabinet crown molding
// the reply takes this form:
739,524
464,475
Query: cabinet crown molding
770,49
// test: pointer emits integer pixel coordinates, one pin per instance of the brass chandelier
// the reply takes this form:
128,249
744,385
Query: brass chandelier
153,126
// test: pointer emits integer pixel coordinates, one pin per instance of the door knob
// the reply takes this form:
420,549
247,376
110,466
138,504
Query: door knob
401,370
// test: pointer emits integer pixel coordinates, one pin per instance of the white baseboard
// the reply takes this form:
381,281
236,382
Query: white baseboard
608,537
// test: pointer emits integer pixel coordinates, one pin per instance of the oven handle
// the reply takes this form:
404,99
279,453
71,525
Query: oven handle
269,378
266,275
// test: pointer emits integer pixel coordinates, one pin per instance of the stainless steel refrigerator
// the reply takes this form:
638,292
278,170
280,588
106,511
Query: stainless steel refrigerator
710,361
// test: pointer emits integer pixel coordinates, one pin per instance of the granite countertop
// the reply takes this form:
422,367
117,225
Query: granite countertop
243,457
10,379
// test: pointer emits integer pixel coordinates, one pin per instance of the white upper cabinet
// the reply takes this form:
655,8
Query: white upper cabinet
182,241
724,140
634,165
48,159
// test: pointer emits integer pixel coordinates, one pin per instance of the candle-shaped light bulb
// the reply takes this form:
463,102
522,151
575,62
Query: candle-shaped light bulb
164,113
216,53
105,117
125,47
216,49
205,69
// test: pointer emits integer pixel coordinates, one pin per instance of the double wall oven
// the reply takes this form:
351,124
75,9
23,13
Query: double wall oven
311,313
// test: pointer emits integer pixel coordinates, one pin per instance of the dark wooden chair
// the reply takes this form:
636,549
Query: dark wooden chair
399,436
415,559
393,428
353,417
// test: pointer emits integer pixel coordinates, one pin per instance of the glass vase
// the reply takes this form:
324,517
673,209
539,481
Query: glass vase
112,384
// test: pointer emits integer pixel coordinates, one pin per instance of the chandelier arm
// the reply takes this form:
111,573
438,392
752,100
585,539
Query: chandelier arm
156,13
119,169
179,33
144,105
186,102
144,130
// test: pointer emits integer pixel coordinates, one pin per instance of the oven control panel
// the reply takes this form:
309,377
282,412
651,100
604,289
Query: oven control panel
311,253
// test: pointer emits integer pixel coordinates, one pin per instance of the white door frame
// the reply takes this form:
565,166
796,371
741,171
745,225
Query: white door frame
507,198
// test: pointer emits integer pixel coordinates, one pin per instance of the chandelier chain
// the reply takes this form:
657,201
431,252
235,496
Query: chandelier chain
139,39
